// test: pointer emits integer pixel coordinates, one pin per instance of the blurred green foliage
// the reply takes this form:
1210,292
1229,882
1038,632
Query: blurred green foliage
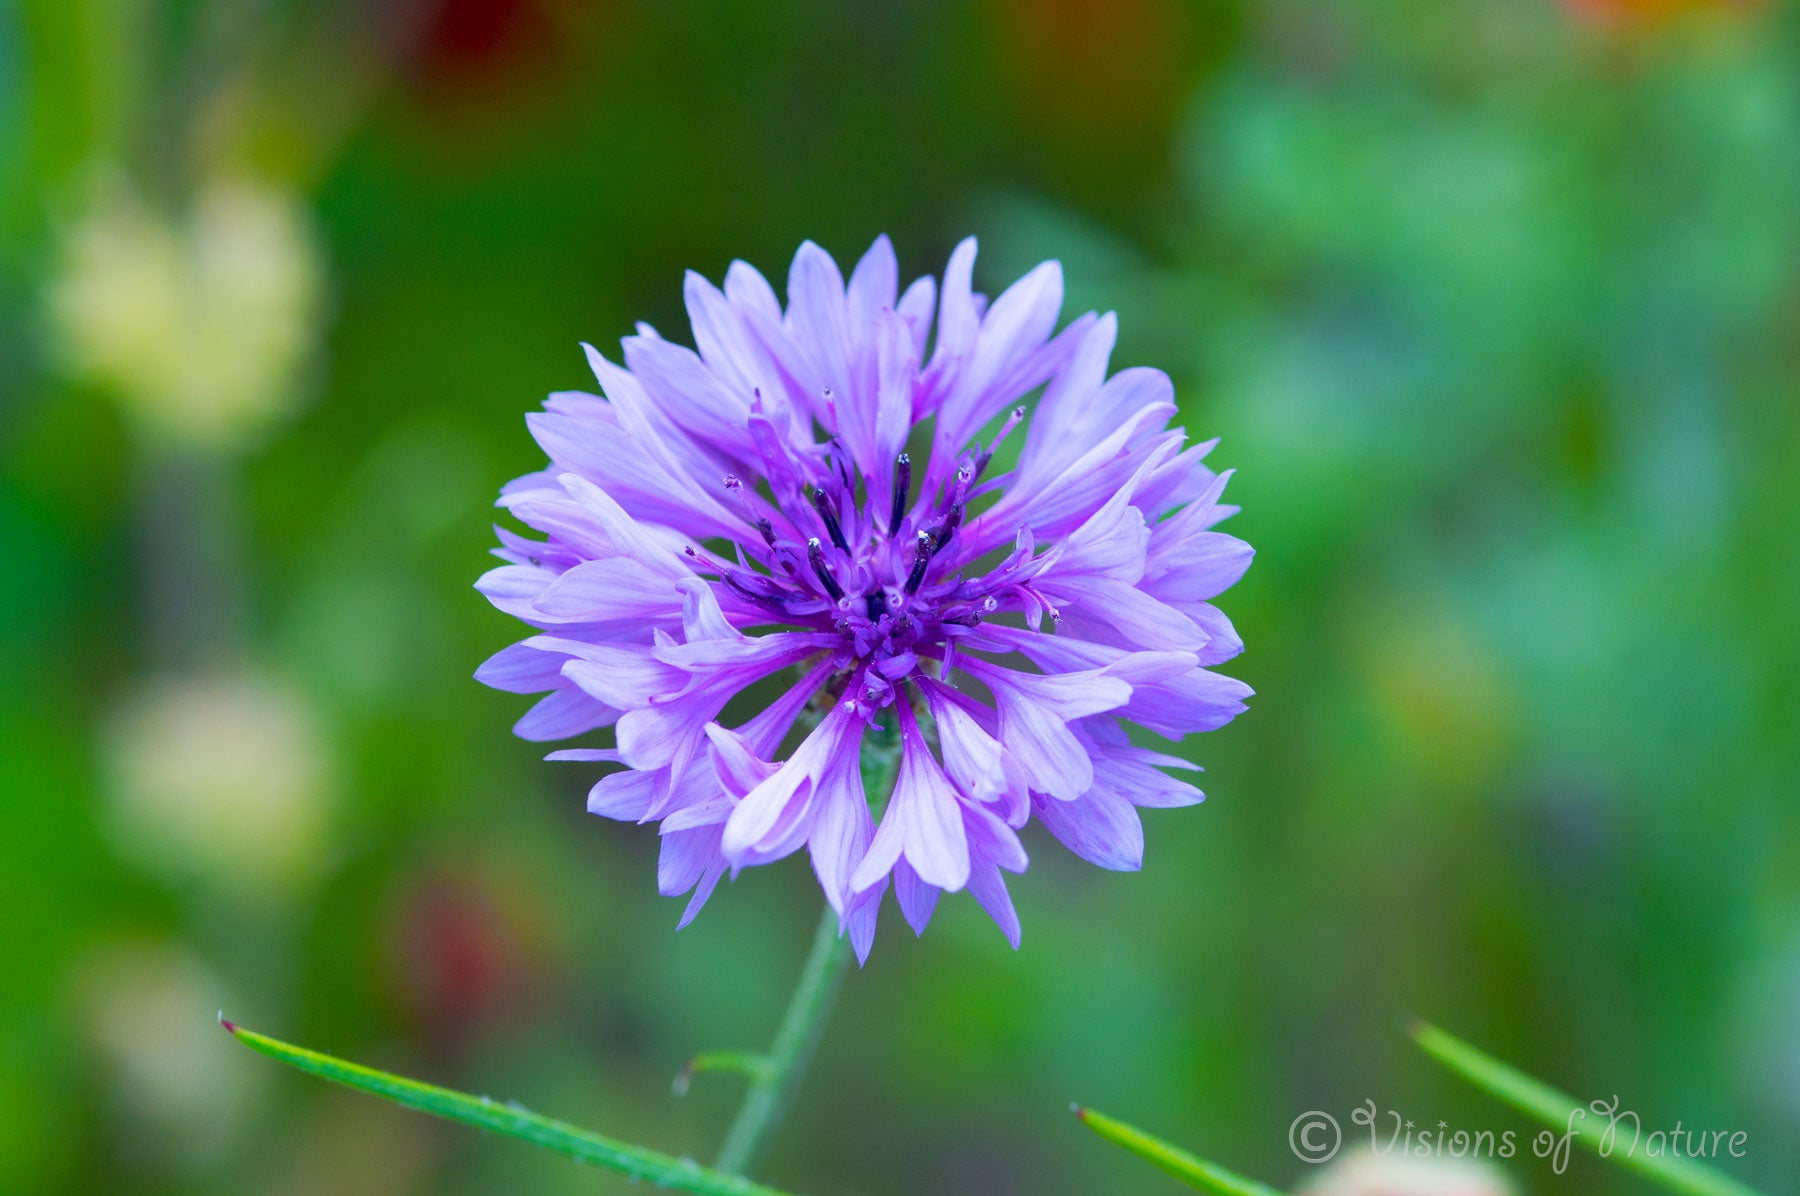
1496,305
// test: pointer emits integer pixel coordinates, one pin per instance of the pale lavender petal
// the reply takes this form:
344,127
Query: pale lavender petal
957,323
915,308
989,890
614,590
922,821
874,284
735,761
725,344
684,859
1004,362
1056,435
585,755
622,677
562,715
522,669
625,796
842,829
917,899
764,822
1035,710
818,320
971,755
861,919
1099,826
679,382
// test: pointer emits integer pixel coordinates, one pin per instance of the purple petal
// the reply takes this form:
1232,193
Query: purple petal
873,284
989,890
841,831
915,308
1202,565
860,921
957,323
734,759
725,343
522,669
819,322
1035,710
971,755
917,899
922,822
772,818
625,678
1099,826
1054,438
625,796
565,713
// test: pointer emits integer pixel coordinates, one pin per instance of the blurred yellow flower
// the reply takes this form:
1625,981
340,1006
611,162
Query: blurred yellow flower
221,779
198,328
147,1014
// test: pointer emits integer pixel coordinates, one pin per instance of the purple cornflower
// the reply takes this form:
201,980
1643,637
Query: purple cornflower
989,586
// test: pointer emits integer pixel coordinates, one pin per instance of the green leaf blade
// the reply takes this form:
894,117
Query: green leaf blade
1190,1169
1564,1114
584,1146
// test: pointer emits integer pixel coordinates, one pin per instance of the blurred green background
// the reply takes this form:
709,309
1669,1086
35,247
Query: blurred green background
1496,304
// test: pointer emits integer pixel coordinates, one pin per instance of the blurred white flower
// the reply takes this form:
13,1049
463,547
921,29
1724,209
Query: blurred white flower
1365,1173
221,778
199,329
181,1086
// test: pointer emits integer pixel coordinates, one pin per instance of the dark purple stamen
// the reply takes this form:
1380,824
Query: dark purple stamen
762,525
755,594
953,519
946,530
917,577
902,482
823,505
815,556
876,602
1012,421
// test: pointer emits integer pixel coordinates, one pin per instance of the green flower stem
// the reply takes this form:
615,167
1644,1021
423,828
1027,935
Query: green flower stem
772,1086
663,1170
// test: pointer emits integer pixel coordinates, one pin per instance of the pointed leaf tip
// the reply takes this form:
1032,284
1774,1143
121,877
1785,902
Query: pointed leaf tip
229,1027
1200,1174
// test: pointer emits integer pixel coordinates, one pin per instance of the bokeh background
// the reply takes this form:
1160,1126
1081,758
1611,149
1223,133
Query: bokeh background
1496,304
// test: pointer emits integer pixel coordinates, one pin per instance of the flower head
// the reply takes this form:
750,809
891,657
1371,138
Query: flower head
874,520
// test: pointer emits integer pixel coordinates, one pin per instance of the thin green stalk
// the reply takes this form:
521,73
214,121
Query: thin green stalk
665,1171
1607,1131
747,1063
772,1086
1189,1169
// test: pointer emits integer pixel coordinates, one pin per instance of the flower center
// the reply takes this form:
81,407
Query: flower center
873,568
